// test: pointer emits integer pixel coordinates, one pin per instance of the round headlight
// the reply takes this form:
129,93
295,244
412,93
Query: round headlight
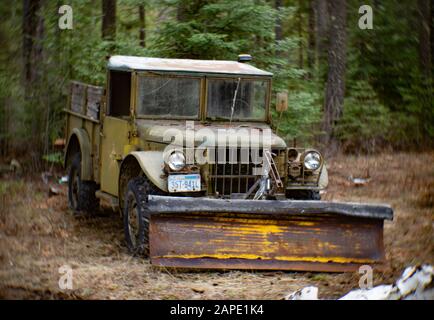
176,161
312,160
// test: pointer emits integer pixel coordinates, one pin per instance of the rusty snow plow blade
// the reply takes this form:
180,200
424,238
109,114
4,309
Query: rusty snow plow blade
268,235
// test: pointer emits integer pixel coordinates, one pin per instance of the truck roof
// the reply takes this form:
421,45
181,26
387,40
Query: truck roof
131,63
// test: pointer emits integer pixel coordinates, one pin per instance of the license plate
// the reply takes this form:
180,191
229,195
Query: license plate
184,182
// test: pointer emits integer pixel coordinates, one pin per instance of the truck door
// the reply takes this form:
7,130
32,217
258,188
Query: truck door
115,129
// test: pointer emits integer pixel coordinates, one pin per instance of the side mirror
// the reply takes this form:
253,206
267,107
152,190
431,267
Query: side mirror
282,101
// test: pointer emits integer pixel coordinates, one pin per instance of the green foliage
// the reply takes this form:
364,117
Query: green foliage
366,123
387,59
55,157
301,118
418,100
214,29
388,99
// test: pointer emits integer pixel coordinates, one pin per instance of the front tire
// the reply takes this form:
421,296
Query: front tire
81,194
136,215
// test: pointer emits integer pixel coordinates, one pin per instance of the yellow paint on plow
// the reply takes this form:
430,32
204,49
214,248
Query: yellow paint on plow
246,229
305,223
222,256
252,225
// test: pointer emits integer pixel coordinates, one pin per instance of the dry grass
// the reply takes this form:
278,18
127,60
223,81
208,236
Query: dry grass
406,182
38,235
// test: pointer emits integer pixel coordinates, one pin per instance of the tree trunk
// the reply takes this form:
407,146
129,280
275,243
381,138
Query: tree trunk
432,38
109,19
33,35
424,11
5,129
300,36
142,20
278,27
322,30
335,87
180,12
311,38
32,30
425,96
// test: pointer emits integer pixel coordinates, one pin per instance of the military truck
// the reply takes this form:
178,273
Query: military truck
186,151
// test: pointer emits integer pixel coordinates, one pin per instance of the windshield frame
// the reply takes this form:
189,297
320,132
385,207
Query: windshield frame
235,78
202,114
136,95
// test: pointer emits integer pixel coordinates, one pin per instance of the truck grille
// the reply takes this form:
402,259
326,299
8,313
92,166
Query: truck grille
229,178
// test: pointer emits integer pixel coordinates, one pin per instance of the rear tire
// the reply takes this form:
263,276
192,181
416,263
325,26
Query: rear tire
136,215
81,194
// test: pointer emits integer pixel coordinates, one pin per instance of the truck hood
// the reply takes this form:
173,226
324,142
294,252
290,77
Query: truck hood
207,134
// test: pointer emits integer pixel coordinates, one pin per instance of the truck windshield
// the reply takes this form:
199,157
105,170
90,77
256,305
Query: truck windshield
168,97
250,99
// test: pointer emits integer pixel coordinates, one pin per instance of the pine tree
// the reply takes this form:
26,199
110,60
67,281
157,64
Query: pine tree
335,87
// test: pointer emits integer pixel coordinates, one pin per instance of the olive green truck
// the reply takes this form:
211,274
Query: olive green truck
185,150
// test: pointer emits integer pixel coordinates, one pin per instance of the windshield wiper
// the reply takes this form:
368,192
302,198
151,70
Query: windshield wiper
234,99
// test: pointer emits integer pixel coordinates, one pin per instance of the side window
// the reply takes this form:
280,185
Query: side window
120,94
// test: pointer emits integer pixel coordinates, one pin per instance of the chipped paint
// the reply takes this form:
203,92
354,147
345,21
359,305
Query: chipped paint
259,257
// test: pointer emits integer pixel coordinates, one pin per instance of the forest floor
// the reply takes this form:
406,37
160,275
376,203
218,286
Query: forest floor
38,234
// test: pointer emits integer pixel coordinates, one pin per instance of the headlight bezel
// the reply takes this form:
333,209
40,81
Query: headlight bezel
306,154
170,160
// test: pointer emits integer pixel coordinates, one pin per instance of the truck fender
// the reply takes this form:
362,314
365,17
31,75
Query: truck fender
85,150
152,164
